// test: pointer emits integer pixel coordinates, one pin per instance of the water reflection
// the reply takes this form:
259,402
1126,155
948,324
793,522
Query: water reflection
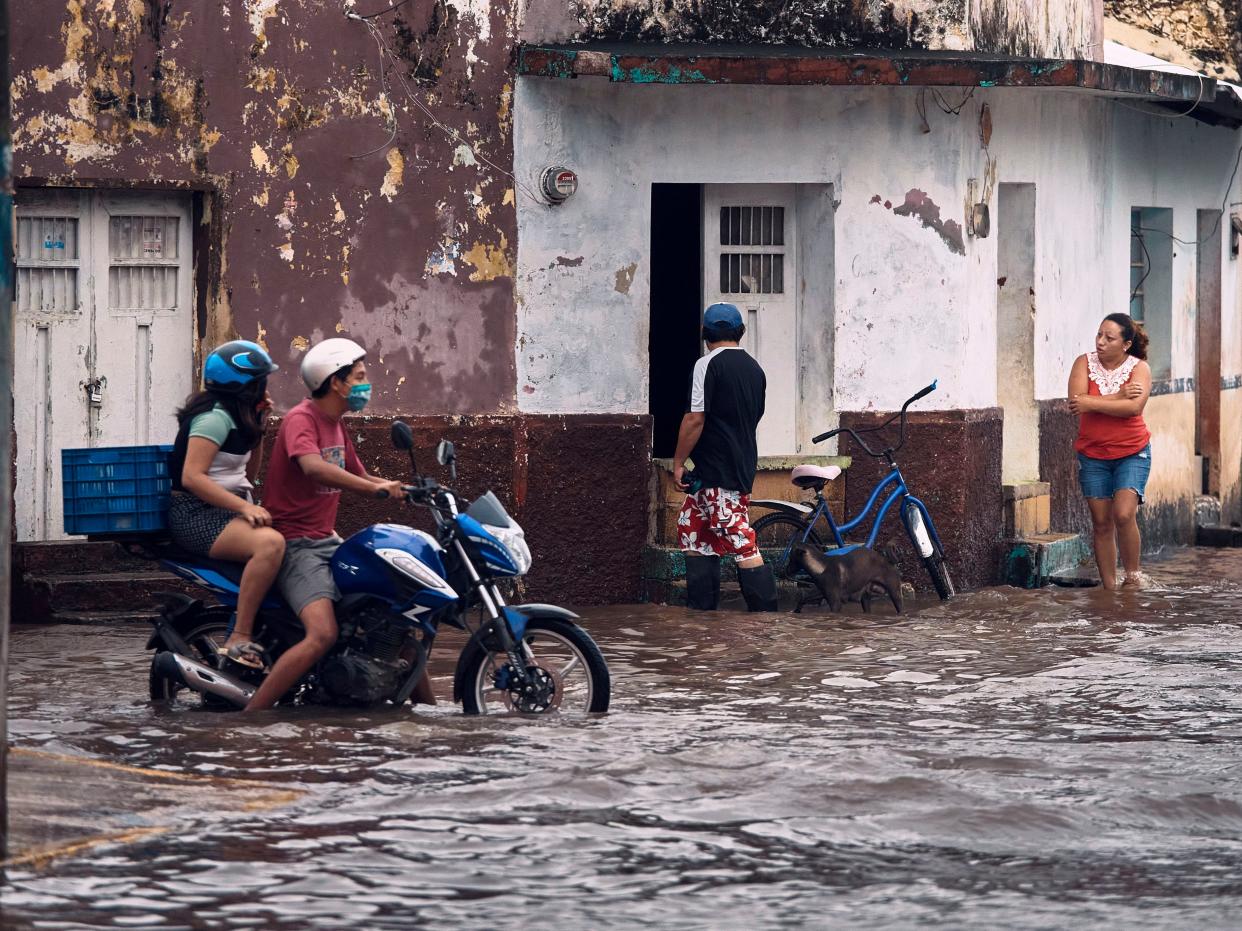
1028,759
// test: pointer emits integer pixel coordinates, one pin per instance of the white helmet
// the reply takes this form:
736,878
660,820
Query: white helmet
323,359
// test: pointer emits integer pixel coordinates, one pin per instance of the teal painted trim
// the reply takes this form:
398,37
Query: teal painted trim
649,74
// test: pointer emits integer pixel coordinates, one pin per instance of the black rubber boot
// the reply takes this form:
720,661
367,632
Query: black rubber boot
758,587
702,582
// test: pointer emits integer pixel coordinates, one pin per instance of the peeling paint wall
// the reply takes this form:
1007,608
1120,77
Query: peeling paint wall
914,294
1027,27
1038,29
1208,32
336,204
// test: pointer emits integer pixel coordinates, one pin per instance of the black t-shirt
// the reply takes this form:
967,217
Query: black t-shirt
728,387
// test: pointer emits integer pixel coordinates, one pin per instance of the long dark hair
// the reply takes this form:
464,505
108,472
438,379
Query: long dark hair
242,407
1132,333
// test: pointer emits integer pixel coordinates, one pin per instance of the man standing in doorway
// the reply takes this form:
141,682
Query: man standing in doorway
718,434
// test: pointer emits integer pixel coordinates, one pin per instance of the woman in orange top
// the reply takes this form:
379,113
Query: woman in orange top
1108,389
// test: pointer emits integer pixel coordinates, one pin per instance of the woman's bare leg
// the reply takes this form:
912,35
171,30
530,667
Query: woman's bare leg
1104,531
262,549
1125,518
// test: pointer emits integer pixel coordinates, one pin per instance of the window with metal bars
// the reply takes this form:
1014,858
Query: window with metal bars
142,268
752,259
47,260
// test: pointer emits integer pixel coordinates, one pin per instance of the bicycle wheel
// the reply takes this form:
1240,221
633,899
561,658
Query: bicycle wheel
923,541
777,531
939,572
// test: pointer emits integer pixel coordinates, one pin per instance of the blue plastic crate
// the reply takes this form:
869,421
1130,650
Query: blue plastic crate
115,489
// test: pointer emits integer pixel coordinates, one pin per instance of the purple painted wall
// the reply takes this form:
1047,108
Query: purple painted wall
269,107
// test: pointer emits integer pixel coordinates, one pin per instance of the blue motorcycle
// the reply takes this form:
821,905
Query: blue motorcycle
398,585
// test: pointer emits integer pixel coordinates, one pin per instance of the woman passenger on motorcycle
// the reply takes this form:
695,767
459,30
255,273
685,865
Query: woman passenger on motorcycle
212,467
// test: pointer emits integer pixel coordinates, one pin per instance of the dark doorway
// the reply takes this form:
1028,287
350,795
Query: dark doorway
676,305
1207,346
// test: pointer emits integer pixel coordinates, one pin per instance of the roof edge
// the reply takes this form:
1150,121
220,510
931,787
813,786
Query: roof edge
638,64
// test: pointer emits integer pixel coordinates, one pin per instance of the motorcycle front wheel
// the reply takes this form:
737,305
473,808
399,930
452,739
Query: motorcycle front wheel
569,673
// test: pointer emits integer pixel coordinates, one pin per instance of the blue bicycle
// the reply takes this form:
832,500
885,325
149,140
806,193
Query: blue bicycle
792,523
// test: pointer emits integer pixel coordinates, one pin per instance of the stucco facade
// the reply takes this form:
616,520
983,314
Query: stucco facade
373,171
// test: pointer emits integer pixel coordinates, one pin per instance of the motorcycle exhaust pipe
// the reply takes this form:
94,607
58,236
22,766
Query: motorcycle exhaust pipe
203,679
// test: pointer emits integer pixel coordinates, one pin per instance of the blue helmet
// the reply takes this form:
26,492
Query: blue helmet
235,364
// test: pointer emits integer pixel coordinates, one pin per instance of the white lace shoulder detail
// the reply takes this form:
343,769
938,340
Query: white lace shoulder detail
1109,382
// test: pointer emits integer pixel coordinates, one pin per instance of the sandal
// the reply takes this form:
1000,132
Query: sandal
246,653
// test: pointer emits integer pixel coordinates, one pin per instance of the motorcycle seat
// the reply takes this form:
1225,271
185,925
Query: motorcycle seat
813,476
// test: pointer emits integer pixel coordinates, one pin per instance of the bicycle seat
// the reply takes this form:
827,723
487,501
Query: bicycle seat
813,476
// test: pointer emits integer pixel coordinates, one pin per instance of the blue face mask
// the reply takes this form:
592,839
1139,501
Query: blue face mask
359,395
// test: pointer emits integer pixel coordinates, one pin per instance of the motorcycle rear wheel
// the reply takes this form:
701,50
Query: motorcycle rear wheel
561,652
208,633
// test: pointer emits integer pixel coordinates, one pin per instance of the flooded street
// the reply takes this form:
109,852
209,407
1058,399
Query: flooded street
1033,759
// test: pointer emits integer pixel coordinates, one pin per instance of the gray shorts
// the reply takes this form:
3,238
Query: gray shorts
306,574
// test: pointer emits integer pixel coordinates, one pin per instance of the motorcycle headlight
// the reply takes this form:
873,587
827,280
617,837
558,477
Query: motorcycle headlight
514,540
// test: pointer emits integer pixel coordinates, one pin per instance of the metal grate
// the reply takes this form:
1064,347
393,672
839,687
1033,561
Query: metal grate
52,240
142,287
752,226
752,273
143,238
46,253
142,272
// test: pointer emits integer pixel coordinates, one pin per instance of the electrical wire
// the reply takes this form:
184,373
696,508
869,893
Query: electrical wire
1165,113
390,9
1219,213
392,113
449,131
1146,263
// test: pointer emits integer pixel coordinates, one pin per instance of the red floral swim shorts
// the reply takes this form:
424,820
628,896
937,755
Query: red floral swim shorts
716,522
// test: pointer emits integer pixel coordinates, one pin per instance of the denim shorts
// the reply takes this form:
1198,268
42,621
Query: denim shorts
1102,478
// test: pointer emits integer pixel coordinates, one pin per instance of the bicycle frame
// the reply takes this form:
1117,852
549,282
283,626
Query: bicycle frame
899,491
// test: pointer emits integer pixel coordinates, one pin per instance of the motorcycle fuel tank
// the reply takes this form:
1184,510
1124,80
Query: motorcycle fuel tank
395,562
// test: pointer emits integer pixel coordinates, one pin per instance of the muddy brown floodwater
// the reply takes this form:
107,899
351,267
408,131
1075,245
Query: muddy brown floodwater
1019,759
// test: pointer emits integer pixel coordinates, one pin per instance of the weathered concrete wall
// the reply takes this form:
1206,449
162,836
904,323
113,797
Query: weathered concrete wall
320,223
1038,29
914,295
952,463
1208,31
586,546
1022,27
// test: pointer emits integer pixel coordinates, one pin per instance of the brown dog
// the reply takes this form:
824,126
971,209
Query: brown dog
852,576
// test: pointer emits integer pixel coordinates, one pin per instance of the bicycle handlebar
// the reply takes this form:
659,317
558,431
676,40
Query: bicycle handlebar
902,414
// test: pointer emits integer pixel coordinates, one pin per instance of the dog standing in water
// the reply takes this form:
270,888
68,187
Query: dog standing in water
852,576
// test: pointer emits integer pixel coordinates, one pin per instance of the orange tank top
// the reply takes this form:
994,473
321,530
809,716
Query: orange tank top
1099,435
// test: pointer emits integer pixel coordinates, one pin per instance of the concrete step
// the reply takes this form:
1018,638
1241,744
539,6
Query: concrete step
103,618
68,557
1217,535
44,596
1034,561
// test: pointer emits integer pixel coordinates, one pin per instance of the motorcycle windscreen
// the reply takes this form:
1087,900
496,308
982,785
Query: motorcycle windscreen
487,509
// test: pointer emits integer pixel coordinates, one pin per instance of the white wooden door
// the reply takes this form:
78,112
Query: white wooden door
104,333
749,253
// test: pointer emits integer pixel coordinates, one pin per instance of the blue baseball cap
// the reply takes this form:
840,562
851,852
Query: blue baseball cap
722,317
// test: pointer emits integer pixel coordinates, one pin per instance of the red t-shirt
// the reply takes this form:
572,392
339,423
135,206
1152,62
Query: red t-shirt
299,506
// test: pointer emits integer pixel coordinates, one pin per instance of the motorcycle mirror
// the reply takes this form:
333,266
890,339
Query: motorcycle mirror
445,453
402,436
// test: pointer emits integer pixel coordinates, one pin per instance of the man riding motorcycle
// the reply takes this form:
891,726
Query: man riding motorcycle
313,461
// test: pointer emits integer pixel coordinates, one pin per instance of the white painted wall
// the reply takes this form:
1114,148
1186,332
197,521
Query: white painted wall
907,309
